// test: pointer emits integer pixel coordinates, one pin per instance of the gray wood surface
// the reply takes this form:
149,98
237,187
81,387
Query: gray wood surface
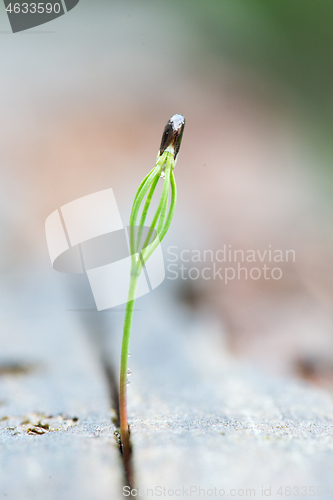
56,432
200,418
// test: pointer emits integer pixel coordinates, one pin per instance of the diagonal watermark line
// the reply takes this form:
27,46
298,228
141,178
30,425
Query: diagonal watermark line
64,228
63,5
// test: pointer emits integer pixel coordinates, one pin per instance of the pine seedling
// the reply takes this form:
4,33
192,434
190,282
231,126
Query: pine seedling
140,252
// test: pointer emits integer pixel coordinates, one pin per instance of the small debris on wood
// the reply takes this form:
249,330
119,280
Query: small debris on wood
16,368
37,423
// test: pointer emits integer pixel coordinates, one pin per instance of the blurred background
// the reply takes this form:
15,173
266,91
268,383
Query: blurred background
84,100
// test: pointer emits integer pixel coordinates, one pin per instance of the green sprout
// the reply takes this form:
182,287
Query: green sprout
140,253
